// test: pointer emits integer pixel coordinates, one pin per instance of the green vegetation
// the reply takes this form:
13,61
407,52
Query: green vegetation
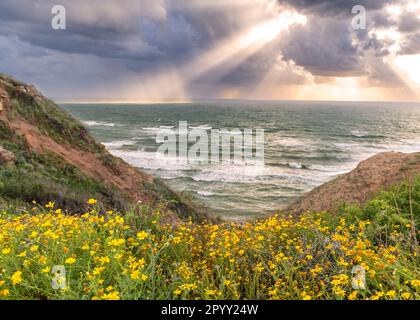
399,206
135,251
136,256
46,176
180,203
42,178
48,118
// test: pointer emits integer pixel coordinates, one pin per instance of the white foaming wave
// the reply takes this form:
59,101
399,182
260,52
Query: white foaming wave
118,143
292,142
295,165
205,193
156,129
232,173
151,129
332,169
359,133
202,127
229,173
231,133
99,124
171,168
152,161
346,146
408,146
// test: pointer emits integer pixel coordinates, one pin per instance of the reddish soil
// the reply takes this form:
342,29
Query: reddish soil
358,186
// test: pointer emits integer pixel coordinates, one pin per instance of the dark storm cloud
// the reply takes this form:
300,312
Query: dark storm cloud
411,44
409,22
125,29
324,47
328,45
107,35
140,34
334,7
118,37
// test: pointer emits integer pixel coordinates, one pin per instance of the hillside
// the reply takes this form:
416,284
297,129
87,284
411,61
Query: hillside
112,255
144,251
47,155
360,185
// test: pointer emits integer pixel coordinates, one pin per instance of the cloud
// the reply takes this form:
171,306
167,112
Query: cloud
107,44
335,8
409,22
318,48
328,45
411,44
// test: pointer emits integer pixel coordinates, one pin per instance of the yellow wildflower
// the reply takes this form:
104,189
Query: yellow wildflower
50,205
46,270
70,260
4,292
104,260
17,277
406,296
142,235
415,283
353,295
112,296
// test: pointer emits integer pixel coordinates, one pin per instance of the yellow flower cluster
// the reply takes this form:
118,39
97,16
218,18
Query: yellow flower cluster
110,256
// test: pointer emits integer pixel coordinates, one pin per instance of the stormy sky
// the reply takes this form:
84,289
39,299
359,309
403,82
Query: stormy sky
178,50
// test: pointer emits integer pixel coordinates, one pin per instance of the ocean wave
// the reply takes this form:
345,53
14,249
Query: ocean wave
205,127
174,168
231,133
296,165
118,143
292,142
151,128
359,133
153,161
161,128
205,193
92,123
257,175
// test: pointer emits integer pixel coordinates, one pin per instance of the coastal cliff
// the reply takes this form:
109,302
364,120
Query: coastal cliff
371,176
47,155
149,252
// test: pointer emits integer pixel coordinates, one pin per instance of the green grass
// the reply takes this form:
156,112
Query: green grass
135,256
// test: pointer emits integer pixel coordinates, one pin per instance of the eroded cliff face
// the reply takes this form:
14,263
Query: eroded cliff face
358,186
63,162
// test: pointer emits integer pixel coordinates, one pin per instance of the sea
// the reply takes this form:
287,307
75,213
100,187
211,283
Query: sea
305,145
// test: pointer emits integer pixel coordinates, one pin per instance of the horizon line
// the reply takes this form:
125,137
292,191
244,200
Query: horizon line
145,102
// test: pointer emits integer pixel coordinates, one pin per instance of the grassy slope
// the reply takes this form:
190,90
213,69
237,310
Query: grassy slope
48,176
137,255
133,256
